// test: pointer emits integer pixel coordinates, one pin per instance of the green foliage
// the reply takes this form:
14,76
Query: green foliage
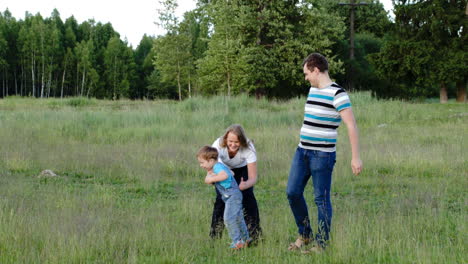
130,190
80,102
258,46
173,57
429,34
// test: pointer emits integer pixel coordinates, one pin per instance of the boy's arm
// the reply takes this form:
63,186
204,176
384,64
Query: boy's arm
212,178
348,118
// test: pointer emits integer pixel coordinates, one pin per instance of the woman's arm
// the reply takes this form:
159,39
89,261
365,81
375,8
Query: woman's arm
252,173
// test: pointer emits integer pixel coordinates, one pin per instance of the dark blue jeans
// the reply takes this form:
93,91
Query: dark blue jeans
319,165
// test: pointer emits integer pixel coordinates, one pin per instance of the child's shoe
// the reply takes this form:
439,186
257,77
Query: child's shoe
239,245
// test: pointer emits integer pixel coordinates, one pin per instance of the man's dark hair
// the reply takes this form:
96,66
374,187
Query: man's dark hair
316,60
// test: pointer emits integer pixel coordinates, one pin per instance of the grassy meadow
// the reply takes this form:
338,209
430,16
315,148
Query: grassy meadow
130,190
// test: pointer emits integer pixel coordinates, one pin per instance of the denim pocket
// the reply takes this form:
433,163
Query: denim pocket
321,160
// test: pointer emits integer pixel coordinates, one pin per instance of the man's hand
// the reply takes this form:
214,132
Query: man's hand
356,165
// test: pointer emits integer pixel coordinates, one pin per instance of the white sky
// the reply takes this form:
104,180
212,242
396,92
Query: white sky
131,19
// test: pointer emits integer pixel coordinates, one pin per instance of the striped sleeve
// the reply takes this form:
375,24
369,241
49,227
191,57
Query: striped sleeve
341,100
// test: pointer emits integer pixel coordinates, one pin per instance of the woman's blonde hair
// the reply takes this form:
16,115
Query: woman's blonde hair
237,130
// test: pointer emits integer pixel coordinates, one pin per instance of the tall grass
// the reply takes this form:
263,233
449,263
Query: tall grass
129,189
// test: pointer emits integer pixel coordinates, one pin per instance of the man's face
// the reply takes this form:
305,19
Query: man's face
310,76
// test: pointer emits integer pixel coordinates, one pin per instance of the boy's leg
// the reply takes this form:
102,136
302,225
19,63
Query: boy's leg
249,204
217,225
231,218
242,225
322,164
298,177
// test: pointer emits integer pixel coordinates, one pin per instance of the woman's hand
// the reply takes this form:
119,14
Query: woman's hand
252,172
243,185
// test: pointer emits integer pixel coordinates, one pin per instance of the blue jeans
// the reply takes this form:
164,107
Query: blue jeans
319,165
234,218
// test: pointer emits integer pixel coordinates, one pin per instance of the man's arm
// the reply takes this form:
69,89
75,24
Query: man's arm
348,118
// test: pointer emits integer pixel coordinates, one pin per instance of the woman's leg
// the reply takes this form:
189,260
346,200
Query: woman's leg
299,175
251,214
217,225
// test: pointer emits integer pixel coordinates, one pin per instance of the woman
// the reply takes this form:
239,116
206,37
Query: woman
238,153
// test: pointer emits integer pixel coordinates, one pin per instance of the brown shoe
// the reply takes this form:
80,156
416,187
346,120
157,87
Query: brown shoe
299,243
316,249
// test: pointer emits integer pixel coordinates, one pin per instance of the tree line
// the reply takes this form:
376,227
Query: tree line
239,46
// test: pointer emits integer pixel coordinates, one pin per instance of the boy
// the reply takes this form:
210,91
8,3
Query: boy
222,177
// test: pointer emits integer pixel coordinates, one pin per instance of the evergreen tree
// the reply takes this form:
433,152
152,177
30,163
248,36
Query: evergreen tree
426,49
144,67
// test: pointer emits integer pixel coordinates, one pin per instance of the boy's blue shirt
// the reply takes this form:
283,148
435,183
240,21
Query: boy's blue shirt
227,183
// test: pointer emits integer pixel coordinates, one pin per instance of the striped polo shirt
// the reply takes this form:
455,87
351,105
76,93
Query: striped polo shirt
322,117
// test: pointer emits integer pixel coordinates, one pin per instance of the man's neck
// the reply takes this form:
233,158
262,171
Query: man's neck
324,81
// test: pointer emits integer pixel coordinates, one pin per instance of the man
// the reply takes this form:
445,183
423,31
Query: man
327,104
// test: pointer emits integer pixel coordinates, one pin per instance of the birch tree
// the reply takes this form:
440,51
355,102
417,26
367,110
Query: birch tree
173,58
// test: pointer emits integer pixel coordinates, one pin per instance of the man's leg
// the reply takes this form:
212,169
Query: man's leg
322,164
298,177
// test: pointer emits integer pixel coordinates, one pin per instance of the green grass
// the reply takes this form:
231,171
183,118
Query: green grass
130,189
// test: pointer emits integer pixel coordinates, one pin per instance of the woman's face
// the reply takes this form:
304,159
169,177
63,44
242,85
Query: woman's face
233,142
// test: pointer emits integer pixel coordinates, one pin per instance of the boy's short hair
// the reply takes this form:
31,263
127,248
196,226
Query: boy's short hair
207,153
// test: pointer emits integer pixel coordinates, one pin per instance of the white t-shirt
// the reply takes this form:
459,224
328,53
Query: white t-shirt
241,159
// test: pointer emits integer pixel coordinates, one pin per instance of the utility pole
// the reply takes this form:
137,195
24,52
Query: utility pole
353,6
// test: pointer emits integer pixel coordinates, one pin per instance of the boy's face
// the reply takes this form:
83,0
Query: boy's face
206,164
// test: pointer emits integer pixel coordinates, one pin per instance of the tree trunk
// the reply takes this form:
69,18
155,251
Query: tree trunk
16,84
229,83
63,81
228,77
42,77
189,88
3,84
49,84
115,76
443,93
6,82
23,78
83,82
178,81
461,91
33,79
77,76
